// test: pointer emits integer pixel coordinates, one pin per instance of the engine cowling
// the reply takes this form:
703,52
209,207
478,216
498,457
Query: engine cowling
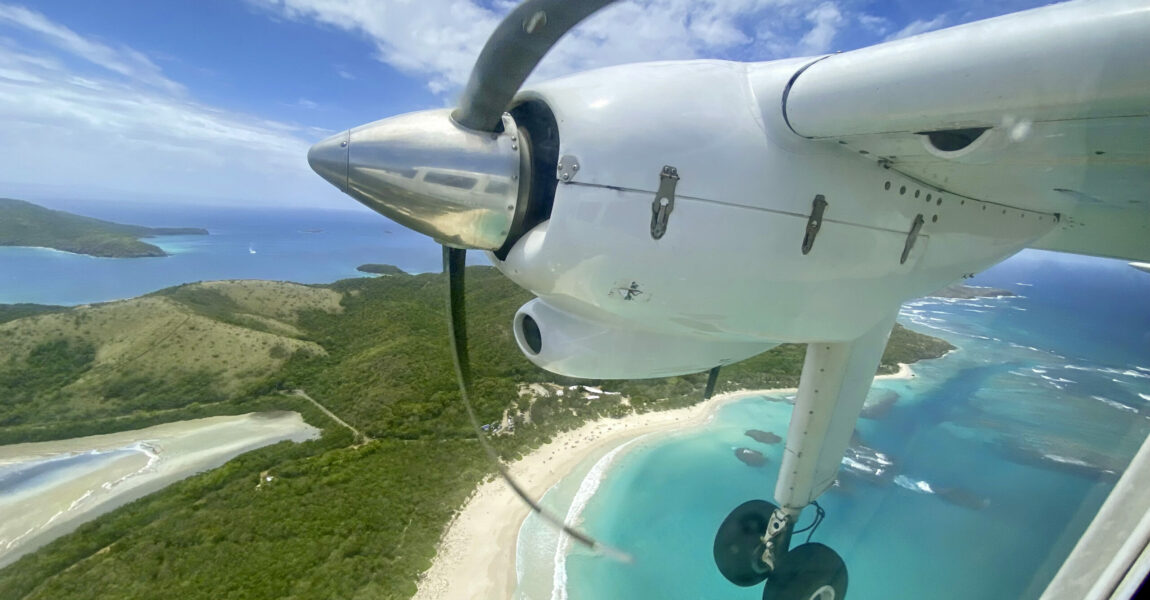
570,345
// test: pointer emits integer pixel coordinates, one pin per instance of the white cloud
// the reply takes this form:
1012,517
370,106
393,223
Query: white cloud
826,20
124,61
874,24
439,39
119,123
917,27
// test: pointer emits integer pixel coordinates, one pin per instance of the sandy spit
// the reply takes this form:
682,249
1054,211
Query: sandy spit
44,508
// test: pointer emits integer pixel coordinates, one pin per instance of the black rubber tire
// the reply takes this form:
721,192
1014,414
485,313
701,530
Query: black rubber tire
804,571
738,543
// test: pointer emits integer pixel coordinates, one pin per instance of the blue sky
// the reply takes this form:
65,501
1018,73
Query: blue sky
216,102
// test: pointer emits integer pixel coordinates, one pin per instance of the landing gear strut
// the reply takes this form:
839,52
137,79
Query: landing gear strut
753,544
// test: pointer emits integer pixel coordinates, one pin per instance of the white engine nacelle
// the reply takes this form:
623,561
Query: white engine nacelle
564,343
745,261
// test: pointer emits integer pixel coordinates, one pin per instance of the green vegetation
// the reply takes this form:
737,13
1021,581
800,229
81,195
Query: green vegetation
380,269
338,519
26,224
906,346
157,358
11,312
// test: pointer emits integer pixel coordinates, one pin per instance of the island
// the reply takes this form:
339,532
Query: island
376,269
969,292
23,223
362,359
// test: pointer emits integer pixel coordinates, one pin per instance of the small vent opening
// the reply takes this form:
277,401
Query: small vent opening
953,140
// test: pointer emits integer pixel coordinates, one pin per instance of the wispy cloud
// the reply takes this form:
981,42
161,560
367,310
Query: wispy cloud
825,21
88,112
113,120
874,24
124,61
439,39
917,27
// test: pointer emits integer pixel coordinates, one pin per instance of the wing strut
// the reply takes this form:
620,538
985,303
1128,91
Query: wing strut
712,379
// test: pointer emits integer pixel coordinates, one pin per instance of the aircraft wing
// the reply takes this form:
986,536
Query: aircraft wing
1046,109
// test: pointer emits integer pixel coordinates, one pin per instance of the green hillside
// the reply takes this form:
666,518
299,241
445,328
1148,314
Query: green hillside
342,519
26,224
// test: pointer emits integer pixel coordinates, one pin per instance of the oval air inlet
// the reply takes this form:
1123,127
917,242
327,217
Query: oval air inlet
531,334
953,140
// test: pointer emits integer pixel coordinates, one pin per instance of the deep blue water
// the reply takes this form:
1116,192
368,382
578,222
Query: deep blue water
302,245
1004,450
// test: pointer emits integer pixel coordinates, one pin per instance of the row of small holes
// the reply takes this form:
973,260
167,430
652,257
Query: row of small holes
938,202
917,193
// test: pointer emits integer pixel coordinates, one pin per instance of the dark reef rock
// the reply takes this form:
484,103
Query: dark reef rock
961,497
750,457
879,401
763,437
1029,454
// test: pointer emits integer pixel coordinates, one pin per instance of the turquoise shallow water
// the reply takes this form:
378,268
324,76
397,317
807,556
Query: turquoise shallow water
1003,452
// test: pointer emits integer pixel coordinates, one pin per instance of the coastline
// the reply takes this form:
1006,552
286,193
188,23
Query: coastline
127,465
475,558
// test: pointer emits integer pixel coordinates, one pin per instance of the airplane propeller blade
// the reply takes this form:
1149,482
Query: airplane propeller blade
461,177
511,53
454,262
508,57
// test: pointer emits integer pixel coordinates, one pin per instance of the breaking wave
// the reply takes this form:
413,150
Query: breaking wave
1114,404
587,489
914,485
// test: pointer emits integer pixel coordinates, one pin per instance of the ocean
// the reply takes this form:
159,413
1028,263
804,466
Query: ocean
289,244
1002,453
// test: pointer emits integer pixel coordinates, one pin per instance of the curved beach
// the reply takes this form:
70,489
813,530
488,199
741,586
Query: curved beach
476,555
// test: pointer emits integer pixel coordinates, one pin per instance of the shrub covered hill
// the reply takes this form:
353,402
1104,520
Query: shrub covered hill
346,516
26,224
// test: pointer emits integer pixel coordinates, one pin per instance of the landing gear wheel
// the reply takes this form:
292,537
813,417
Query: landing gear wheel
739,544
808,572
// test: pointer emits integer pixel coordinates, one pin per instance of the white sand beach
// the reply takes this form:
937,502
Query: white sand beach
54,487
476,555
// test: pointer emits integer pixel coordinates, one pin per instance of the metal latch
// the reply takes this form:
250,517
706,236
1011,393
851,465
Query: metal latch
911,238
814,223
664,201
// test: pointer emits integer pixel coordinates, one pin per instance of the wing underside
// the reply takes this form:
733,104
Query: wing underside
1046,110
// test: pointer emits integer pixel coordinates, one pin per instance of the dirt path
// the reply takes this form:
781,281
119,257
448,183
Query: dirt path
363,438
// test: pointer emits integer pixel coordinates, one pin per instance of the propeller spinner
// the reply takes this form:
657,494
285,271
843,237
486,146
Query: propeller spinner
461,176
